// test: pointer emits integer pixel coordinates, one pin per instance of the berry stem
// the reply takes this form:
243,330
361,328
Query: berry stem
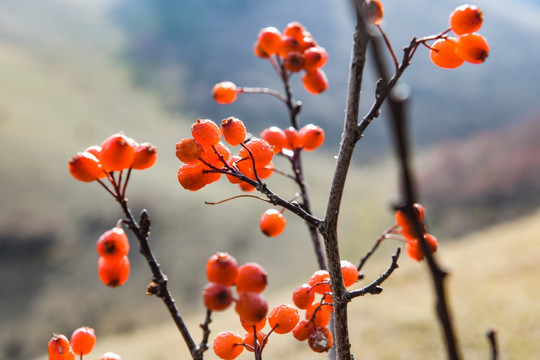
376,245
389,46
262,90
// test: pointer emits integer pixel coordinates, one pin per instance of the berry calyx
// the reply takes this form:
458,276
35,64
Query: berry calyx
443,53
225,92
315,81
113,271
217,297
466,19
472,48
113,243
117,152
228,345
233,130
283,318
272,223
251,277
251,307
83,340
206,132
222,268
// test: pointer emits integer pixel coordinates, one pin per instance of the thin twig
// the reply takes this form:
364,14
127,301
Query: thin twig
492,338
374,288
376,245
235,197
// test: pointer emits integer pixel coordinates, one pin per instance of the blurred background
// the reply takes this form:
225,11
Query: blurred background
73,73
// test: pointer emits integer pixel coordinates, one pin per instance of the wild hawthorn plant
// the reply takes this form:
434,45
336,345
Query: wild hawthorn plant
226,148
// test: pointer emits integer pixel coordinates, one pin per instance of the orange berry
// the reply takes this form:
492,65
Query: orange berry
319,281
295,30
322,316
407,227
228,345
466,19
217,297
310,137
248,325
261,150
291,135
315,57
191,176
225,92
251,277
259,52
302,330
251,306
349,272
374,12
189,151
283,318
321,340
443,53
222,268
269,40
233,130
303,296
145,156
265,172
113,243
217,156
246,187
306,42
315,81
414,250
275,137
117,152
83,340
59,348
113,271
287,45
206,132
110,356
272,223
249,340
294,61
472,48
85,167
96,151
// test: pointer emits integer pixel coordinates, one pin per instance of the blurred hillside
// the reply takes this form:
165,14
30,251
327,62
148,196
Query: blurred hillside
71,75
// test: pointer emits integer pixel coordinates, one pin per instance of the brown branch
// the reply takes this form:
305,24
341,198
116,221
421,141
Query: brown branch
374,288
492,338
375,246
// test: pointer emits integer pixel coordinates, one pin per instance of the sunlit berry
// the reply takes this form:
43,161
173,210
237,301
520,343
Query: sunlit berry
407,227
222,268
307,42
288,44
295,30
272,223
443,53
189,151
315,57
259,52
291,135
261,151
251,277
228,345
310,137
374,12
319,281
251,306
217,155
191,176
225,92
269,40
321,340
249,339
117,152
113,271
85,167
59,348
217,297
283,318
110,356
244,186
206,132
315,81
349,272
275,137
414,251
113,243
96,151
248,325
466,19
319,314
145,156
233,130
472,48
266,171
303,296
294,61
83,340
303,329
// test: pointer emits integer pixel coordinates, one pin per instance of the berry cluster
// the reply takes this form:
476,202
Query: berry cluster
412,246
113,264
314,328
82,342
118,152
451,52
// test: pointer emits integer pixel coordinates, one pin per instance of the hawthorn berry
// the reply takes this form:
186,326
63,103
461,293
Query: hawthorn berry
110,356
206,132
261,151
233,130
85,167
407,228
269,40
288,44
349,272
283,318
374,12
113,243
315,81
225,92
272,223
443,53
319,281
322,313
248,325
310,137
145,156
295,30
303,296
228,345
315,57
249,339
217,156
466,19
259,52
59,348
293,141
472,48
83,340
117,152
251,306
303,329
217,297
275,137
190,176
320,340
414,251
189,151
222,268
266,171
294,61
113,271
251,277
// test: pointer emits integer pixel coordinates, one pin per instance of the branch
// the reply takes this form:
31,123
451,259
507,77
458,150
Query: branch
492,338
374,288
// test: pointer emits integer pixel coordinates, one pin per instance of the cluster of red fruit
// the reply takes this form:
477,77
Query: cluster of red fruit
412,246
118,152
82,342
451,52
113,264
314,328
250,280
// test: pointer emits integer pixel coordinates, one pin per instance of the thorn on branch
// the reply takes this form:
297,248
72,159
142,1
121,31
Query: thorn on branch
145,222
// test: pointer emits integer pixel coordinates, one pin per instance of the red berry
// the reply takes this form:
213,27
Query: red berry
414,251
272,223
117,152
248,325
472,48
217,156
315,57
206,132
269,40
225,92
251,306
303,296
321,340
275,137
293,140
85,167
295,30
294,61
443,53
288,44
145,156
249,340
374,12
217,297
303,329
315,81
59,348
113,271
466,19
322,316
259,52
261,150
251,277
228,345
110,356
191,176
83,340
319,281
113,243
349,272
283,318
233,130
222,268
310,137
189,151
